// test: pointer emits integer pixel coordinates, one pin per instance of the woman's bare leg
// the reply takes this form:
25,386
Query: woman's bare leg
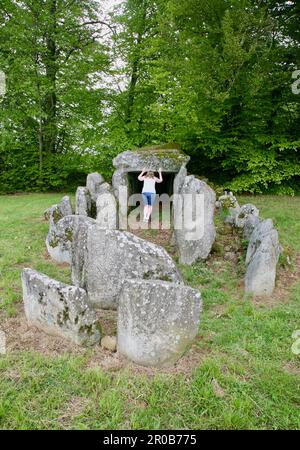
145,212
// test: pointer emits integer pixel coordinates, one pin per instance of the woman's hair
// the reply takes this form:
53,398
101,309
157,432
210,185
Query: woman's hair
150,175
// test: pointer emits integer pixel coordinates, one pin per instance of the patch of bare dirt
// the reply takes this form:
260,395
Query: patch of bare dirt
74,407
21,337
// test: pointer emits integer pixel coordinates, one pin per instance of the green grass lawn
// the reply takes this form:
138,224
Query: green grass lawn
245,375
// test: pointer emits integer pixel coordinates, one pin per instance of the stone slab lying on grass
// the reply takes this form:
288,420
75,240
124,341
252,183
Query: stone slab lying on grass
113,255
59,309
157,321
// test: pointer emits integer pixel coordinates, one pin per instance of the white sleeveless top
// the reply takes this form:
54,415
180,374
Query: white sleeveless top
149,185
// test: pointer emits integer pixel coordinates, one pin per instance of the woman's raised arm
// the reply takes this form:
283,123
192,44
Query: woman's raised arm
141,177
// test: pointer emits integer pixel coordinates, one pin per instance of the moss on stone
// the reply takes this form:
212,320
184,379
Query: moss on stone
53,242
56,215
69,234
163,151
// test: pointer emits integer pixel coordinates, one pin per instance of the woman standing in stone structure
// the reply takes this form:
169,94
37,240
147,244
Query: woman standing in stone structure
149,191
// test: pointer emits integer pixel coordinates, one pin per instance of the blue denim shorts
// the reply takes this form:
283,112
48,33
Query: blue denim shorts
149,198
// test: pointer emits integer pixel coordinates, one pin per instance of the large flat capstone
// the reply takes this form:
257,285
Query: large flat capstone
169,157
157,321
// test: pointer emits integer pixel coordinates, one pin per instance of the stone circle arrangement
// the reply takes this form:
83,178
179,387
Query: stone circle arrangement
111,268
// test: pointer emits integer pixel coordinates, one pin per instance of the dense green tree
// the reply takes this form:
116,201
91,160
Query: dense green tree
53,59
215,76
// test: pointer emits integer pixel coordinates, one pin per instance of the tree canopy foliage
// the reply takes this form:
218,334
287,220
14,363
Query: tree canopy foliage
215,76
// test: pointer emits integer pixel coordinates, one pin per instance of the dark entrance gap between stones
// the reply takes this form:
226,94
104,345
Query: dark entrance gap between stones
136,186
166,187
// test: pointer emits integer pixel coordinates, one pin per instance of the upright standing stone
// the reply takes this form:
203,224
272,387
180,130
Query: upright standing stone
93,183
194,220
157,321
107,211
57,212
65,242
261,259
250,224
119,179
83,202
113,255
245,211
59,309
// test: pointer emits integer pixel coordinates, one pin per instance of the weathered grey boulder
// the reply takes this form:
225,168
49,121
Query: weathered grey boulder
169,157
58,211
93,183
194,220
59,309
251,222
119,179
157,321
83,201
179,180
261,259
107,211
78,248
244,213
113,255
59,241
65,206
257,236
228,202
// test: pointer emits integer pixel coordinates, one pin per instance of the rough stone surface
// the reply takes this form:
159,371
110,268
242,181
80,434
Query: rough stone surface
200,245
57,212
109,343
119,179
157,321
59,309
60,239
244,213
169,158
259,233
78,248
261,259
113,255
107,211
66,206
179,180
229,202
93,183
250,224
83,202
